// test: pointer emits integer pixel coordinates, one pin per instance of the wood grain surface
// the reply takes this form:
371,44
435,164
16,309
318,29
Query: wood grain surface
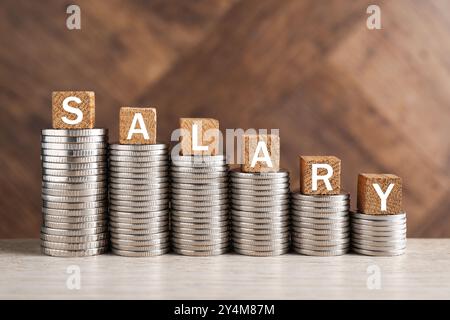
377,99
422,273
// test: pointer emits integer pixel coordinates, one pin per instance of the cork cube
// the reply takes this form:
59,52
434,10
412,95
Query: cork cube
137,125
320,175
254,152
73,109
379,193
199,136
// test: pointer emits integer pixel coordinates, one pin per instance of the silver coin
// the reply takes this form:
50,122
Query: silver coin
73,253
74,160
152,153
202,170
127,194
310,231
181,203
380,253
74,166
73,193
199,215
277,252
277,219
363,228
210,241
187,177
211,230
316,226
308,252
260,209
213,237
80,219
320,198
138,187
74,239
394,237
134,181
254,203
74,132
71,199
261,193
144,176
200,248
146,159
253,231
152,253
153,203
244,197
148,164
338,247
259,175
212,208
138,215
260,248
144,243
73,233
201,253
139,209
75,246
84,179
216,185
262,184
199,165
213,220
372,245
199,225
176,191
321,204
326,237
264,226
140,248
261,215
72,153
320,243
198,158
396,233
70,139
142,237
144,226
138,147
75,186
74,213
144,170
199,181
134,198
238,187
139,221
260,237
378,223
74,146
75,226
320,210
152,230
263,243
322,221
74,206
320,215
383,217
200,198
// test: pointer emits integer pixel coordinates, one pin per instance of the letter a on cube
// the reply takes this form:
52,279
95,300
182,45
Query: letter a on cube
73,109
137,125
320,175
261,153
379,193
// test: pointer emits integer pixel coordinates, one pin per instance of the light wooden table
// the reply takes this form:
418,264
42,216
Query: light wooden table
423,273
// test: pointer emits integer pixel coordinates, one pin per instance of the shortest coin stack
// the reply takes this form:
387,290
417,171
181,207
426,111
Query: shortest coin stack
379,235
74,192
260,213
139,199
321,224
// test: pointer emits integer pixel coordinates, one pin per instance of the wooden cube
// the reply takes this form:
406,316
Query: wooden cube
320,175
369,200
254,146
137,125
73,109
199,136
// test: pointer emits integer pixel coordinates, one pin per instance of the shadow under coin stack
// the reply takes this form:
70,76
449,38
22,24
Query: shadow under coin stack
321,224
199,205
260,212
74,192
139,199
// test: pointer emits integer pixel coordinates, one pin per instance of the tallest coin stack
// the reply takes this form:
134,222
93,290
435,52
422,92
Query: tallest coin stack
74,192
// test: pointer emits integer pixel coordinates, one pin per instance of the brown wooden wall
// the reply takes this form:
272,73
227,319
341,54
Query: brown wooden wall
379,100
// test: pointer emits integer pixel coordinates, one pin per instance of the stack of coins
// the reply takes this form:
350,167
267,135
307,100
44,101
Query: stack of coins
321,224
379,235
139,199
260,212
74,192
199,205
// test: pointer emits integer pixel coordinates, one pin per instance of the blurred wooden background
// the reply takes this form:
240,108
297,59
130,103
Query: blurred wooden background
379,100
